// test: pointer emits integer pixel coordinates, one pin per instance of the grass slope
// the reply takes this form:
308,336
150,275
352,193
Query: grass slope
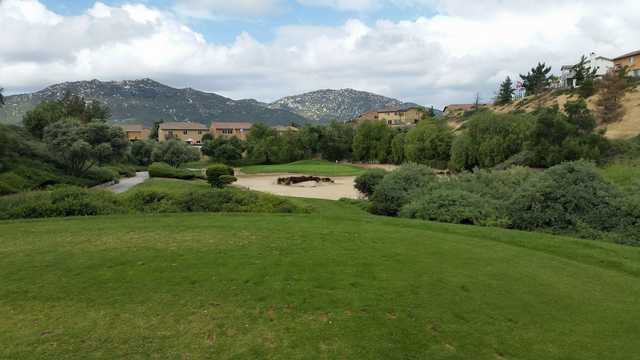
308,167
337,283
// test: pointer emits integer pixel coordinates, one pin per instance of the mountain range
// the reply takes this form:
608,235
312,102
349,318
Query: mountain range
146,101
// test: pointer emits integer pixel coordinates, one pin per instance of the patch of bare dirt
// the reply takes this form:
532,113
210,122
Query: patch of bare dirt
342,186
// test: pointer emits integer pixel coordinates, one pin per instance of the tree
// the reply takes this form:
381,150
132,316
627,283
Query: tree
336,140
372,141
505,93
579,115
43,115
86,111
141,152
397,148
429,143
223,150
310,136
262,144
612,90
537,80
175,153
153,134
584,72
78,147
490,139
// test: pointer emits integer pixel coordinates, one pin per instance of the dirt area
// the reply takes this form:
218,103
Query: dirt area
388,167
342,187
628,127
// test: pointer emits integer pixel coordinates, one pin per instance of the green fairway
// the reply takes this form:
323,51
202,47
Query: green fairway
336,283
309,167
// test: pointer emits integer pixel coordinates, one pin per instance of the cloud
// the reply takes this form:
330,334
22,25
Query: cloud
436,60
344,5
211,9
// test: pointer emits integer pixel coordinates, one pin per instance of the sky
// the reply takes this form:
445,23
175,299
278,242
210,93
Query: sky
432,52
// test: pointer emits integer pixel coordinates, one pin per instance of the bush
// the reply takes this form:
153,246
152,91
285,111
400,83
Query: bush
163,170
565,197
452,206
151,201
6,189
60,201
396,188
367,182
175,153
219,175
101,175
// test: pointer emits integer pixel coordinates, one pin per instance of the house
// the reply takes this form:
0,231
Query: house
230,129
601,63
189,132
399,117
394,117
631,61
283,129
135,131
367,116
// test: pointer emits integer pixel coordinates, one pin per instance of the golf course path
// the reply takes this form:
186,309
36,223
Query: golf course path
128,183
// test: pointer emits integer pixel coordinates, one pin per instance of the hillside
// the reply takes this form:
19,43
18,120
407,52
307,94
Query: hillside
337,283
340,105
147,101
628,127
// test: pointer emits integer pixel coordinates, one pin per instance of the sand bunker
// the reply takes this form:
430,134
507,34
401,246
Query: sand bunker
341,187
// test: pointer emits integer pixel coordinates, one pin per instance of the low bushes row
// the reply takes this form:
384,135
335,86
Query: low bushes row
162,170
63,200
571,198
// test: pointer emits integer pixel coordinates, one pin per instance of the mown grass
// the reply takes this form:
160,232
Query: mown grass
624,174
308,167
336,283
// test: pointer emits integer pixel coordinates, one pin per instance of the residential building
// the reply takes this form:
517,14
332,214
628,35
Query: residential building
601,63
394,117
135,131
230,129
631,61
189,132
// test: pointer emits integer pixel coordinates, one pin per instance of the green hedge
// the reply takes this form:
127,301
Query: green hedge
162,170
63,200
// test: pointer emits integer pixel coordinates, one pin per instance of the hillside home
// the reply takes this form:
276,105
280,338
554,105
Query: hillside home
631,61
568,74
135,131
394,117
189,132
231,129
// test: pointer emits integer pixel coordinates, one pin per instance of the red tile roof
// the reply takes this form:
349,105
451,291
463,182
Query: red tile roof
634,53
187,125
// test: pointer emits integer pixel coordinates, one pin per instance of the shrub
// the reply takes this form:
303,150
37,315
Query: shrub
6,189
564,197
101,175
452,206
141,152
175,153
60,201
396,188
163,170
219,175
151,201
367,182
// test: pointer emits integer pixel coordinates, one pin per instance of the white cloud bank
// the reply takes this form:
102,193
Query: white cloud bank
437,60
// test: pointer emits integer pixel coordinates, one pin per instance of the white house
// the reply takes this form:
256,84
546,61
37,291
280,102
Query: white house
603,64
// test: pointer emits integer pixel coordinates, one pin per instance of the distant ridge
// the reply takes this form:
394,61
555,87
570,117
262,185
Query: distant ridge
146,101
341,105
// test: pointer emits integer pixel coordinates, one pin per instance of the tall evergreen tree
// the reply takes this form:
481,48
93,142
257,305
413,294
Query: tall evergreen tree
612,90
537,80
584,72
505,94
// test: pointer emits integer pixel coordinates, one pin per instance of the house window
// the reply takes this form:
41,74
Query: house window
185,132
199,132
632,60
389,122
227,131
